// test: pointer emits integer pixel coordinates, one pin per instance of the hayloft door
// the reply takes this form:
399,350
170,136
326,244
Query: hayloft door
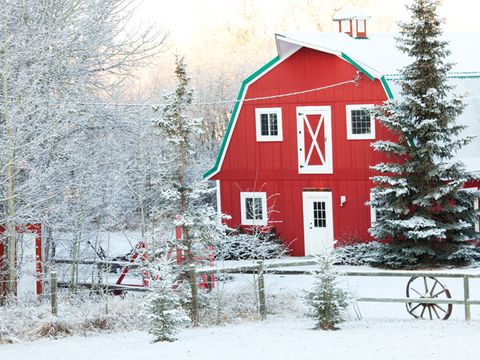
314,140
318,222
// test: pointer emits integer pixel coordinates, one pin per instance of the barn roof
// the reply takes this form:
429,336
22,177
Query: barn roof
378,54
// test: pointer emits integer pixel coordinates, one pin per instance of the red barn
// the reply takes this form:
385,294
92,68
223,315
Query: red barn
296,155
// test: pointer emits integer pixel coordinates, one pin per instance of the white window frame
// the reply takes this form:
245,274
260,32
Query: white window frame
475,207
373,211
243,208
258,121
348,110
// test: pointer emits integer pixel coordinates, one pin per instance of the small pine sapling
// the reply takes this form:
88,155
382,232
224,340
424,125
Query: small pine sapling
162,306
326,300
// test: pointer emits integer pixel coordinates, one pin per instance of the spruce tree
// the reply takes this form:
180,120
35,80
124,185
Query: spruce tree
421,208
326,300
163,304
186,201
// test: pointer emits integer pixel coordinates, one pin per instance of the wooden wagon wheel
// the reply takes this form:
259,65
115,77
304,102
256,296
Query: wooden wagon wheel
428,287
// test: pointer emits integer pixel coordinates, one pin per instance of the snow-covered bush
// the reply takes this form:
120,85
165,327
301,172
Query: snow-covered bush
326,299
81,313
465,255
250,246
162,305
358,254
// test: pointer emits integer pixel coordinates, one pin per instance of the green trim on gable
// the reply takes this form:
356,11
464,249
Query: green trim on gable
235,111
387,87
357,65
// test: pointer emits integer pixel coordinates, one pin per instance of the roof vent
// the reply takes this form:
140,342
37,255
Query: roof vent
353,23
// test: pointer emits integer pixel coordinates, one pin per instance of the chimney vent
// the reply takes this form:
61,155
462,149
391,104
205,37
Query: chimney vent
353,23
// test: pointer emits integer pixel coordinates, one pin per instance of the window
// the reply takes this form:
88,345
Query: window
319,214
360,122
269,124
254,208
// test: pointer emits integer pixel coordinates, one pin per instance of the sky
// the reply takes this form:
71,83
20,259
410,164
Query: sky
184,18
202,29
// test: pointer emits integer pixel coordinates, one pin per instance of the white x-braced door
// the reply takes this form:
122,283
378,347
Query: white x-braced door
314,134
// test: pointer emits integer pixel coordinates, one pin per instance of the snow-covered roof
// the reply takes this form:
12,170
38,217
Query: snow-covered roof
378,53
378,57
352,14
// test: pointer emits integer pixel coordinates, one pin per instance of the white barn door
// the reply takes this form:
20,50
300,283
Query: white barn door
314,140
318,222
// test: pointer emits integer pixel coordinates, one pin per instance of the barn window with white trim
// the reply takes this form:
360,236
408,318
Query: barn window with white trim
360,122
253,208
269,124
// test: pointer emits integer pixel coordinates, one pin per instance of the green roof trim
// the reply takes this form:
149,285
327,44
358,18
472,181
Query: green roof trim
387,87
236,108
357,65
389,92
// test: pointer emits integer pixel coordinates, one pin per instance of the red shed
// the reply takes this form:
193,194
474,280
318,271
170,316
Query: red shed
297,150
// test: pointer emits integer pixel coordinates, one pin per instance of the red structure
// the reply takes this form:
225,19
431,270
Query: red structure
297,149
22,229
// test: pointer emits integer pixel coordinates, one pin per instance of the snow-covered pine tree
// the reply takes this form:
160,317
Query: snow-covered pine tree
186,200
326,300
162,304
420,205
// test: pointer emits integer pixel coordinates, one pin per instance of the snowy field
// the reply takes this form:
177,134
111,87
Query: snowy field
386,331
276,338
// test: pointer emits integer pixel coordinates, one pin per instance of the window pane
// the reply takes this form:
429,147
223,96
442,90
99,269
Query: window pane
361,122
273,124
319,214
254,208
249,208
264,124
258,211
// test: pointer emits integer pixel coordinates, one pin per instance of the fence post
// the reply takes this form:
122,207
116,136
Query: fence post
261,291
53,292
466,296
194,288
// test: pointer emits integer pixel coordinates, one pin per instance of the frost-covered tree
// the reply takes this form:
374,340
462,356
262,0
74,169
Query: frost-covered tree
326,300
162,305
421,208
186,200
60,61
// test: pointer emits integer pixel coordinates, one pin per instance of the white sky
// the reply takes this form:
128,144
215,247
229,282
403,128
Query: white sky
185,18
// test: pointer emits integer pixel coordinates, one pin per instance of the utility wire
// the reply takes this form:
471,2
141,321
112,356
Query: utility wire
354,81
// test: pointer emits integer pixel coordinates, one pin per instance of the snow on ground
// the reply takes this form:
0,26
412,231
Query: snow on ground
386,331
276,338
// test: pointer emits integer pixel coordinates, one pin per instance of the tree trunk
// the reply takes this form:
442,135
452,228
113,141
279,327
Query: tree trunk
10,156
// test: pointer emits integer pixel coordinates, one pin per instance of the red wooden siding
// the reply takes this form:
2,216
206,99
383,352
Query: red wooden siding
272,167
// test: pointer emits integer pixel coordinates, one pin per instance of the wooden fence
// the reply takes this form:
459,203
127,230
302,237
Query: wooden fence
283,267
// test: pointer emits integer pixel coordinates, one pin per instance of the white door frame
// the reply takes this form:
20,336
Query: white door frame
304,154
317,240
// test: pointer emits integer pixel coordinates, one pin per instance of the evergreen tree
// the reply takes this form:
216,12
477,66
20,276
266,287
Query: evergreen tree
420,205
162,305
326,300
186,201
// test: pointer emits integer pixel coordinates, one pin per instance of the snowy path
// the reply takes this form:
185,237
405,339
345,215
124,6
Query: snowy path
278,339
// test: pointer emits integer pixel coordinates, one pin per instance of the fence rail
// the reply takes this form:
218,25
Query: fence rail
281,267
